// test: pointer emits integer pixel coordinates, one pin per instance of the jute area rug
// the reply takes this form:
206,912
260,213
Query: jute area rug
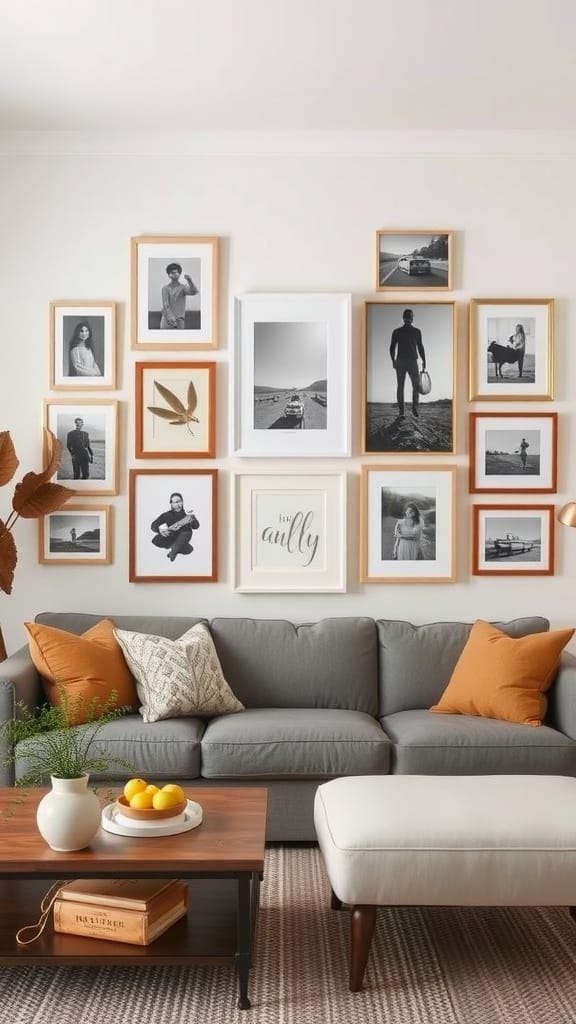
439,966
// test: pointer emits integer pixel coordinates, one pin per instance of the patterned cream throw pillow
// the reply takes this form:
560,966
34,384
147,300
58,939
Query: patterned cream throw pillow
177,678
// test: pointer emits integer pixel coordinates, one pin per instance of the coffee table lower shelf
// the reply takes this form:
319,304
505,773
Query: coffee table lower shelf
207,935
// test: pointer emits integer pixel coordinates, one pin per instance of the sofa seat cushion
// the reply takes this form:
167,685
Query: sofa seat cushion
431,744
167,751
273,743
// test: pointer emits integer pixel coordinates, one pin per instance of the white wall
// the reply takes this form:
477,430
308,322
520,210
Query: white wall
293,214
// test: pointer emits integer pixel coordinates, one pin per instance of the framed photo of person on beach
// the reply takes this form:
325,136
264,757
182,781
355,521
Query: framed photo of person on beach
76,535
513,453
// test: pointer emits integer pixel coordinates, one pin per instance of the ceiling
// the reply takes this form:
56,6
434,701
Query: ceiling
287,65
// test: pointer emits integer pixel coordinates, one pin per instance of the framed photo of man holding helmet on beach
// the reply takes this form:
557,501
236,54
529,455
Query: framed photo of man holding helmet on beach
174,292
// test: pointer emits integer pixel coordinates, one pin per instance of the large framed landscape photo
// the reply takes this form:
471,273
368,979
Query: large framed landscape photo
173,517
290,532
414,259
513,540
511,349
513,453
175,410
292,375
407,522
76,535
400,338
174,292
88,432
82,345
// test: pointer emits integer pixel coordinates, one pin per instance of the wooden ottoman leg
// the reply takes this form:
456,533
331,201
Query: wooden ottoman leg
335,903
362,921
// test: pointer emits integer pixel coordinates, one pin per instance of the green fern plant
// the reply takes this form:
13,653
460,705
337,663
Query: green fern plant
49,745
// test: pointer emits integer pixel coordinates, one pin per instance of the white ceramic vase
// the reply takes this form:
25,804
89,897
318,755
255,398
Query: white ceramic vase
68,817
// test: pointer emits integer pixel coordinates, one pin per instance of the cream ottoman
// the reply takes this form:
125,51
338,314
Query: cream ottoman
489,840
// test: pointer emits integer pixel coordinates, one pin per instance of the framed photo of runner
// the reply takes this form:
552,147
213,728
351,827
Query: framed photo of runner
513,453
174,292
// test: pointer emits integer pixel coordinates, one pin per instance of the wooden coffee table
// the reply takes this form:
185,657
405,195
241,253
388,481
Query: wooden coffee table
223,858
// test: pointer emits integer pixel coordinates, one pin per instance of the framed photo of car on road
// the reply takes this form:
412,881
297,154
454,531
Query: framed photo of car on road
408,377
511,349
414,259
292,375
513,453
513,540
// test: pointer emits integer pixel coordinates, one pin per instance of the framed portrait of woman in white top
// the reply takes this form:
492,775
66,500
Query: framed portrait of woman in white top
82,345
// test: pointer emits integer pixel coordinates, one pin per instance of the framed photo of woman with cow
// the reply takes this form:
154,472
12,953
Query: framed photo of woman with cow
511,349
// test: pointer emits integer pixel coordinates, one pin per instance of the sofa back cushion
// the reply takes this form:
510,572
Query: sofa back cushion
415,663
172,626
271,663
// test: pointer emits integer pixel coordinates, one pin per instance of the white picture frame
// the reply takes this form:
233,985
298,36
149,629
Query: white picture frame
292,357
290,532
386,493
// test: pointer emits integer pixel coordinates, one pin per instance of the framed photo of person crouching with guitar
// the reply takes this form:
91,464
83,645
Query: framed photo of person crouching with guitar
173,516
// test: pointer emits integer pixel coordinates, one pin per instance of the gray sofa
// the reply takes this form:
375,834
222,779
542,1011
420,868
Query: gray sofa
342,696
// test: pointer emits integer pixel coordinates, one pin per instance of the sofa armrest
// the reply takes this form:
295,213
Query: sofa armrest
19,681
562,697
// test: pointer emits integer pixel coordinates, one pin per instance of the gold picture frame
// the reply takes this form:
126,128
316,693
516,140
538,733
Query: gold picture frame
76,535
82,345
511,350
419,260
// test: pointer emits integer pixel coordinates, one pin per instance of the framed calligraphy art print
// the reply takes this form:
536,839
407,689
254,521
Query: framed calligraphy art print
290,532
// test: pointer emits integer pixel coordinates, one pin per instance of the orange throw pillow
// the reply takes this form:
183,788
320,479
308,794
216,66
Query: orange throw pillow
503,677
88,667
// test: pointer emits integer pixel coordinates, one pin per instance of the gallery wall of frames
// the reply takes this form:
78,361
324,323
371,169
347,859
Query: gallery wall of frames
290,398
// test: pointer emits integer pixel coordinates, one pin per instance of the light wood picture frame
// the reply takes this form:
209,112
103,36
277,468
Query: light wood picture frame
418,260
76,535
175,410
511,350
173,524
407,524
174,292
513,453
87,430
513,540
397,418
82,345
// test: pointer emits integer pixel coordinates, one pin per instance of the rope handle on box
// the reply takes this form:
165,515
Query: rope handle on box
48,900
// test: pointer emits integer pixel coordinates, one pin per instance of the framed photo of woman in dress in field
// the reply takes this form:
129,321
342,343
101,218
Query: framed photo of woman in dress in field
511,349
82,345
407,524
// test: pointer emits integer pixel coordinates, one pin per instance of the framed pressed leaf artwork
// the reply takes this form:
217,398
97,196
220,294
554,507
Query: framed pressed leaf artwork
175,410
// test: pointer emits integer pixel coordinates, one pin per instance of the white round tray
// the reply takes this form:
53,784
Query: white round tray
114,821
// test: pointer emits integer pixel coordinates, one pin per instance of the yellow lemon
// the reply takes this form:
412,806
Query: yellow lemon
142,801
161,800
151,788
171,787
134,786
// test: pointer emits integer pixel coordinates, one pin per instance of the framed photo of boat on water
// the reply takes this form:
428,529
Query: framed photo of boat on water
513,540
513,453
